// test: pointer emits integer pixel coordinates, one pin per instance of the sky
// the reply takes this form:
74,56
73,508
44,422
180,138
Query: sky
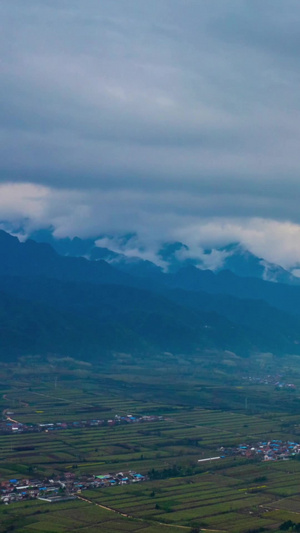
172,119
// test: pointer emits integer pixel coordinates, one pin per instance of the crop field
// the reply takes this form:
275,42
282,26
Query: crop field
71,516
184,436
230,499
199,416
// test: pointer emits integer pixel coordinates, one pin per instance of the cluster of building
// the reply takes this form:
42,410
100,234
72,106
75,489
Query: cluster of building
277,381
67,488
272,450
8,426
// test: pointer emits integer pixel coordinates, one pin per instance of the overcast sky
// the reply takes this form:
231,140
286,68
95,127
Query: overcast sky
175,119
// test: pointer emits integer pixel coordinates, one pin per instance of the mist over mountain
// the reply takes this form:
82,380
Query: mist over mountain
40,259
171,257
53,303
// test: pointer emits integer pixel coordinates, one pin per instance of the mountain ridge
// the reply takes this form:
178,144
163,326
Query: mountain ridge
188,311
173,255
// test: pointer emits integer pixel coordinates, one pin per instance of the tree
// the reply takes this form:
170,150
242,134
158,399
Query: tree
285,526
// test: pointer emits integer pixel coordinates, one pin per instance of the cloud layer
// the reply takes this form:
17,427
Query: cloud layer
174,119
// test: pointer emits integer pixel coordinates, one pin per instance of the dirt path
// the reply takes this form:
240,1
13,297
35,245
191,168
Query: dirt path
25,404
141,519
5,411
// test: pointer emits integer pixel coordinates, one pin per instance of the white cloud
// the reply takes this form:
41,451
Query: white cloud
277,242
173,120
93,213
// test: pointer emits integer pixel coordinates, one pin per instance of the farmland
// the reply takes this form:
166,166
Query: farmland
199,411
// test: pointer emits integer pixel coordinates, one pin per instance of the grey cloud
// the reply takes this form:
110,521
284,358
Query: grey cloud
152,219
268,26
151,114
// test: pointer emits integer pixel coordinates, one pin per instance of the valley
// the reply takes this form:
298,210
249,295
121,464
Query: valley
149,266
196,411
142,402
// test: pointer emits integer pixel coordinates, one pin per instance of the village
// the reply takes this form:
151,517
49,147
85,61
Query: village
272,450
276,381
9,426
68,487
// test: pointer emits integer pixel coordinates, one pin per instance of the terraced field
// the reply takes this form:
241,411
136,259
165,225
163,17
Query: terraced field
231,499
73,516
230,495
183,437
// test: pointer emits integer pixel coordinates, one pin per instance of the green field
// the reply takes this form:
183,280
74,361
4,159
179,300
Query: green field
202,411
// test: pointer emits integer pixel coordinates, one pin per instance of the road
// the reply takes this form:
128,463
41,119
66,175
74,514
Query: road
141,519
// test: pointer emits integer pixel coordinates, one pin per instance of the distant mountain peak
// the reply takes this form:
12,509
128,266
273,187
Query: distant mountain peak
7,237
170,248
72,305
126,253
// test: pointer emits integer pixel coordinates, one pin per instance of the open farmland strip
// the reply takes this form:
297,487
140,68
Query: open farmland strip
181,497
189,503
238,522
202,512
288,504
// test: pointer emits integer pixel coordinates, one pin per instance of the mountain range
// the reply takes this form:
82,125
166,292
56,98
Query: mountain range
124,254
75,299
